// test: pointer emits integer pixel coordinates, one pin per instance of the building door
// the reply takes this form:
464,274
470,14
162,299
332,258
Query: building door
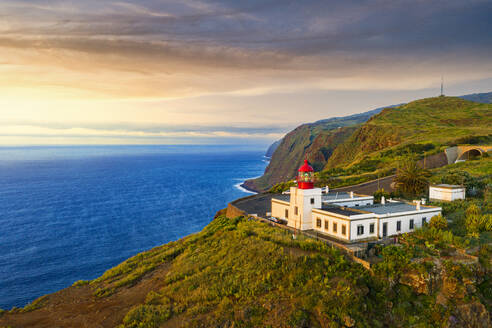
385,229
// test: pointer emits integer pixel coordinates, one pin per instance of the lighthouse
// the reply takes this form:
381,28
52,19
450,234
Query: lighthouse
303,199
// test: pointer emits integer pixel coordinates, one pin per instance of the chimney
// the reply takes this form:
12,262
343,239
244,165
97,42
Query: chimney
418,206
351,194
383,200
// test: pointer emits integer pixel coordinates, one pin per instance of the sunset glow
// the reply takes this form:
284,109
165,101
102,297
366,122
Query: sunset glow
193,71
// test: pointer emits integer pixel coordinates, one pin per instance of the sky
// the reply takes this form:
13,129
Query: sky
225,72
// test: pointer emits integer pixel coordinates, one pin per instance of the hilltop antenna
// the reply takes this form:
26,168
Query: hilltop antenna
442,86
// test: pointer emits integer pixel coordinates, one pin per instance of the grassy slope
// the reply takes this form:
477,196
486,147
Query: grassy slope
300,142
481,167
433,120
316,141
247,274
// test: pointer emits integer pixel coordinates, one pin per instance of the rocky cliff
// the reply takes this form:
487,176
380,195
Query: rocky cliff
314,141
343,141
272,148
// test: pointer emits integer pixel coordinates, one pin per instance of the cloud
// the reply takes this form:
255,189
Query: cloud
159,132
190,63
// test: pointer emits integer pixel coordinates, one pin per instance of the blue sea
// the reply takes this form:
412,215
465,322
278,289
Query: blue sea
71,213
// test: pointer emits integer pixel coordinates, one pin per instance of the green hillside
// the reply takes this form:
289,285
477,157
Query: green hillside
316,141
241,273
420,127
433,122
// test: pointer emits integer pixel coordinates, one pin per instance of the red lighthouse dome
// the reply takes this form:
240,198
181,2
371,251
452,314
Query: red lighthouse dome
305,176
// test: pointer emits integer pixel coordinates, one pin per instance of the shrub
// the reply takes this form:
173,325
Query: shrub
395,260
476,222
438,222
484,256
79,283
380,193
146,316
281,187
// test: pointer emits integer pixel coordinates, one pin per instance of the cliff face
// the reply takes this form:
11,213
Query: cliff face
272,148
301,143
314,141
326,147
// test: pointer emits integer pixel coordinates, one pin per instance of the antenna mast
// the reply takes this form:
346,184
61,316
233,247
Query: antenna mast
442,86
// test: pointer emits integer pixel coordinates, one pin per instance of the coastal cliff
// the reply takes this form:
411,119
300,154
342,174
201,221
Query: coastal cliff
314,141
374,140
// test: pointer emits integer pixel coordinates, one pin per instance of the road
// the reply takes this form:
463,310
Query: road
370,187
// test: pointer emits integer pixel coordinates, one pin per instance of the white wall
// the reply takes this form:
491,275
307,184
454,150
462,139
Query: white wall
278,209
405,222
446,194
365,223
301,198
331,220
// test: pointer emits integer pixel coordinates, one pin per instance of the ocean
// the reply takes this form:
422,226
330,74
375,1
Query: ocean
72,212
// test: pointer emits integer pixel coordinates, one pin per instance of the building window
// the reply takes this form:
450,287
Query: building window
411,224
326,224
286,214
398,225
334,227
296,210
371,228
312,200
360,229
424,221
318,222
344,229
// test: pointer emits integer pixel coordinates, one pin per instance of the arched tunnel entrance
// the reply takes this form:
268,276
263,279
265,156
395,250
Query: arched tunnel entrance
470,154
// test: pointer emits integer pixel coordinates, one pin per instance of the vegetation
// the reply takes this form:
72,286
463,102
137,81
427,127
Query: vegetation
411,178
438,222
244,273
281,187
474,175
358,152
425,126
315,142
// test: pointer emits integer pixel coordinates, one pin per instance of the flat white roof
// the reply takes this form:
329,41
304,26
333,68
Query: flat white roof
335,196
447,186
379,209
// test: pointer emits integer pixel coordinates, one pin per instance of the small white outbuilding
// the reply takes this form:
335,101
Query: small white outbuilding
446,192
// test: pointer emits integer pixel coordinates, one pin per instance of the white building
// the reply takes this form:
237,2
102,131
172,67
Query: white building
446,192
347,216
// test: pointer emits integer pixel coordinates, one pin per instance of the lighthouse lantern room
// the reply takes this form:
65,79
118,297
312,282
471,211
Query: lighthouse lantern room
305,176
